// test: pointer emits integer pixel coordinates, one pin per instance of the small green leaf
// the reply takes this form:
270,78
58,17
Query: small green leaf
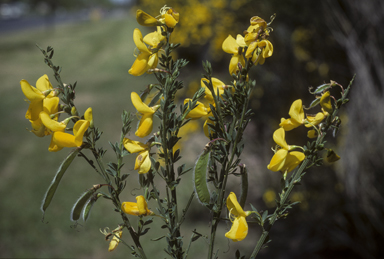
56,180
321,88
200,178
314,103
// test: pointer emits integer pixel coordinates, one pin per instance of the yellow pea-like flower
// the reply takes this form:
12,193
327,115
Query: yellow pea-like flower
147,58
88,115
143,161
138,208
146,121
296,112
234,47
284,160
217,85
325,102
168,17
62,139
237,215
199,111
115,240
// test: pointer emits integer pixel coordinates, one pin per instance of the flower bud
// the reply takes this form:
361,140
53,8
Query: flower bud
74,111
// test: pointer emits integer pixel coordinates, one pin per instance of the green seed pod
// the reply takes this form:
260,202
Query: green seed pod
200,177
89,205
244,184
80,203
56,180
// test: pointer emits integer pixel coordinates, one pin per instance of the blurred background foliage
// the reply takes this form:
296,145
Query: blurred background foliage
314,41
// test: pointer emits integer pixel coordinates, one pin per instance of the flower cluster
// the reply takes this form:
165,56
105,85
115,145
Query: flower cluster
146,60
254,45
43,113
284,159
149,46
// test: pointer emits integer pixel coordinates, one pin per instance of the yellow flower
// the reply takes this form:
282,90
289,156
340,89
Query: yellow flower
325,102
199,111
234,47
168,16
115,240
50,107
266,50
139,208
146,121
186,132
143,161
297,116
88,115
36,97
60,139
147,57
217,85
316,119
259,48
239,229
326,108
331,156
312,133
206,127
283,160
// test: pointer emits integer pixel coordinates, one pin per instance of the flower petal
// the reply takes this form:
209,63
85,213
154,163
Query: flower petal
279,138
288,124
145,19
115,241
134,146
130,208
32,93
140,66
140,106
297,112
142,205
142,163
51,124
294,158
198,112
138,39
34,110
325,102
234,206
62,139
239,229
315,120
278,160
145,126
230,46
43,83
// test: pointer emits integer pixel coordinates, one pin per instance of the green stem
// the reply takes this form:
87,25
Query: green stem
120,158
224,179
134,235
297,175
